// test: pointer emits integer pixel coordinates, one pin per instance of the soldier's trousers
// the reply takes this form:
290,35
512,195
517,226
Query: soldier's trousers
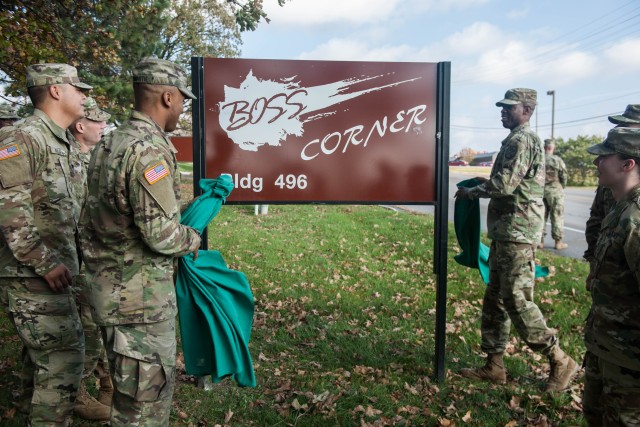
49,327
94,351
554,209
142,360
94,348
611,394
508,298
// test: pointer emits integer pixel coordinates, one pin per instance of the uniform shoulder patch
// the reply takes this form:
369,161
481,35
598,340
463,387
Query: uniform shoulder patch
511,150
9,151
156,173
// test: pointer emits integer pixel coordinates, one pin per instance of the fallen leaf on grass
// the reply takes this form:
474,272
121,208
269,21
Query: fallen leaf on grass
10,413
369,411
411,389
540,421
412,410
297,406
514,403
320,397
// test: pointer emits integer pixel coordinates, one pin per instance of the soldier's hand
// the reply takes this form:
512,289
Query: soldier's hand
186,205
463,193
58,278
589,284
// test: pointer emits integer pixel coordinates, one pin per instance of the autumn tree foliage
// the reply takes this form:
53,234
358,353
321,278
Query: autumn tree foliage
467,154
104,39
579,163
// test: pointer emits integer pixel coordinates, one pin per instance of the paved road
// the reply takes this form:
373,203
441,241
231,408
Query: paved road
576,212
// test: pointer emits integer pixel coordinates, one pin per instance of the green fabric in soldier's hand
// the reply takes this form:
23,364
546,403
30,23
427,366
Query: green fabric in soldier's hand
467,224
215,304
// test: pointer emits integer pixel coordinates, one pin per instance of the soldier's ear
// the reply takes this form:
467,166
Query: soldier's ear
167,98
171,97
528,109
55,91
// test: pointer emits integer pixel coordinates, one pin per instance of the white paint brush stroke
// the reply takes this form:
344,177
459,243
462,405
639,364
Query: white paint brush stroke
267,131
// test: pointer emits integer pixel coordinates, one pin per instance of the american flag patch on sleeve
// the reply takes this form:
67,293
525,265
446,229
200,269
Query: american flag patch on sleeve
155,173
9,152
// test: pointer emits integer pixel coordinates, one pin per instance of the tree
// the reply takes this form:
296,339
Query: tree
104,39
467,154
579,162
199,28
249,13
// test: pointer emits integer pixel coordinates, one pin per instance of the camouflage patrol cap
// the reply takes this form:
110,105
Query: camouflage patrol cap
162,72
631,115
619,140
518,95
7,112
51,74
549,142
93,112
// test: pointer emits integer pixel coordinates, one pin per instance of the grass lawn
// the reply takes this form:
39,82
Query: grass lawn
344,326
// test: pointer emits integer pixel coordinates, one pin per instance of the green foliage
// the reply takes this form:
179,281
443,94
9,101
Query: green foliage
249,14
579,163
104,39
200,28
344,322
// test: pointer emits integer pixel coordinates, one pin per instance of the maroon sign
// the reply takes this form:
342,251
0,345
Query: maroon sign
184,148
321,131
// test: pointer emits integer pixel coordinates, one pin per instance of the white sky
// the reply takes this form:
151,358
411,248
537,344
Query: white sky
587,51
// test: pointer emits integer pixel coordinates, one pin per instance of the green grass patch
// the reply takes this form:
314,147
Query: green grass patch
344,328
185,167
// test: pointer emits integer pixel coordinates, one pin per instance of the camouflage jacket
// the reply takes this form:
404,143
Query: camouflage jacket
131,228
556,173
516,188
42,182
602,203
612,331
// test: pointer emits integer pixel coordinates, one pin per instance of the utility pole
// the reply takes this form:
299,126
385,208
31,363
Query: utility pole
553,109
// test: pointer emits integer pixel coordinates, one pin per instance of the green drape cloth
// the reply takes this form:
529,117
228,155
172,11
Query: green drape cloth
215,303
467,223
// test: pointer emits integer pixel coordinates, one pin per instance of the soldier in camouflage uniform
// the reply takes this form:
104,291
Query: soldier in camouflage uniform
8,115
603,200
514,220
555,181
41,186
602,203
612,331
87,132
131,237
